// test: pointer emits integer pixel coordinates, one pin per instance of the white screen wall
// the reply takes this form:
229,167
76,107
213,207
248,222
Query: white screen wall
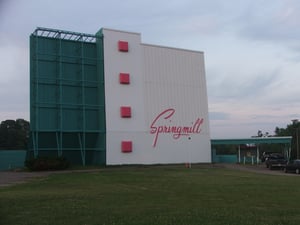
168,99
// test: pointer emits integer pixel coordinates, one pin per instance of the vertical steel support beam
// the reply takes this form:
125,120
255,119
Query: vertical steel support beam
83,102
257,154
58,143
35,152
82,150
239,154
59,150
37,103
101,102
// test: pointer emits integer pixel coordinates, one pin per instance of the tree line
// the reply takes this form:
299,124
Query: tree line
292,130
14,134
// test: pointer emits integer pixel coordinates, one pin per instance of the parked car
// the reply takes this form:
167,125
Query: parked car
265,155
275,160
292,166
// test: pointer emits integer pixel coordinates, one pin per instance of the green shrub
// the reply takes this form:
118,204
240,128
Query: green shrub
47,163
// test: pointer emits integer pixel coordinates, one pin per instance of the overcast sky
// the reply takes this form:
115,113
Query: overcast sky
251,47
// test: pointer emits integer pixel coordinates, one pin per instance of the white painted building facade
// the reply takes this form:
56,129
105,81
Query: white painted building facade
156,102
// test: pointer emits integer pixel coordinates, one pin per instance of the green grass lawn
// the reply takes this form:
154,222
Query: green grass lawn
154,195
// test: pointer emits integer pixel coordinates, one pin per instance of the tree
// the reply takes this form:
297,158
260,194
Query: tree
259,133
292,130
14,134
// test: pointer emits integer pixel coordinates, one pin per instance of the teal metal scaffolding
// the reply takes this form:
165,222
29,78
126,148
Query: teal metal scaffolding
67,108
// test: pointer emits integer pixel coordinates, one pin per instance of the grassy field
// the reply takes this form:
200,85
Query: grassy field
154,195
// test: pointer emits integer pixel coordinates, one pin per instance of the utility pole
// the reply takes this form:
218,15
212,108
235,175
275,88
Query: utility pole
297,142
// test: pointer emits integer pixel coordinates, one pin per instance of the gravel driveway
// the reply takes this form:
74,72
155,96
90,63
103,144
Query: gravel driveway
261,168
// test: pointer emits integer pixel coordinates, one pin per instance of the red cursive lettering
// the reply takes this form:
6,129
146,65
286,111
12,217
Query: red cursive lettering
176,131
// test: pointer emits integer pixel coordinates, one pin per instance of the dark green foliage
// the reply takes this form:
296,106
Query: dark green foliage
292,130
14,134
46,163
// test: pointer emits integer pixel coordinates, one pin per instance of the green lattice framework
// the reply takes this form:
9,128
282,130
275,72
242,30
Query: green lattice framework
67,108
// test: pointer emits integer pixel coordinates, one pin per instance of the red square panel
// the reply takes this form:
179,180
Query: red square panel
126,146
125,111
124,78
123,46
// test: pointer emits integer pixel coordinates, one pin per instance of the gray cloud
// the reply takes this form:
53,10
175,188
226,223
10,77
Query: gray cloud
242,40
232,87
266,21
219,116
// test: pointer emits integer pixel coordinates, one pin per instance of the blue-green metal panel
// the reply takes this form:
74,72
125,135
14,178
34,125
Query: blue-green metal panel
225,159
67,106
267,140
220,158
12,159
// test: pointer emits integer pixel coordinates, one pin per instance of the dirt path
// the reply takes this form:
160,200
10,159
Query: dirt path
8,178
